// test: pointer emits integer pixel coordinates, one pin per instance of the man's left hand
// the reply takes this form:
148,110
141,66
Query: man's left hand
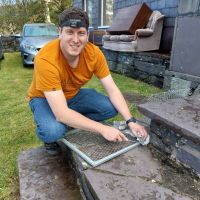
138,130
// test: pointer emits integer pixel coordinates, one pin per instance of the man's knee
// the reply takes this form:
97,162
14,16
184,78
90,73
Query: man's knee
51,132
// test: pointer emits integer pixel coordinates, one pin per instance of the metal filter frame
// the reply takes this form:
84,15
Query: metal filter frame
87,158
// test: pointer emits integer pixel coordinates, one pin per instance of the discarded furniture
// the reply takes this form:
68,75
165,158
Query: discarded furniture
128,20
146,39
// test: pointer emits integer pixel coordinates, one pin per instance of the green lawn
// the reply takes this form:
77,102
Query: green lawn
16,122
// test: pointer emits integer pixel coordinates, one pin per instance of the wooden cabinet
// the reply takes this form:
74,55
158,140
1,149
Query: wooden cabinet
128,19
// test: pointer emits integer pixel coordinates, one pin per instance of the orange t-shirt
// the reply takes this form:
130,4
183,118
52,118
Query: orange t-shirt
52,72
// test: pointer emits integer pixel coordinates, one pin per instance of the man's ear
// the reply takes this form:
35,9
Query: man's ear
59,32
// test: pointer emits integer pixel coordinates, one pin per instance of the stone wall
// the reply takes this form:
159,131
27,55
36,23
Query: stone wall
78,4
176,80
178,148
174,129
148,67
10,43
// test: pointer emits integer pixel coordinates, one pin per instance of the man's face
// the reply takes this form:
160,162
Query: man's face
72,40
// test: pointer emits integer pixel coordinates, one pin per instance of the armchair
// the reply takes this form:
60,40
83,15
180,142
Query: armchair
146,39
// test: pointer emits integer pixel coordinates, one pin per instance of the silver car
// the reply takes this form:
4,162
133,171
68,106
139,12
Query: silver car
34,37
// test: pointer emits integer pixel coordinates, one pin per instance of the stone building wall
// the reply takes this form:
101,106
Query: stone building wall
78,4
148,67
10,43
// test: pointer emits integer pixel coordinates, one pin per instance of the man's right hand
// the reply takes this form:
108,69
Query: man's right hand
112,134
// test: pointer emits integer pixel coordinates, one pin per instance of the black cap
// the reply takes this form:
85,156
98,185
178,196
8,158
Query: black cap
74,23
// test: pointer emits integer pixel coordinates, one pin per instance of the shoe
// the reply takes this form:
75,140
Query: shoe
53,148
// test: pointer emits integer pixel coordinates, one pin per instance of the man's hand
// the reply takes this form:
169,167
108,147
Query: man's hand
112,134
138,130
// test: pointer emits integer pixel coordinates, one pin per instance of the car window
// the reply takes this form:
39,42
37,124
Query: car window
35,31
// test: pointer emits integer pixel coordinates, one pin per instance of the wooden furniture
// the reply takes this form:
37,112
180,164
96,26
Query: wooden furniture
128,19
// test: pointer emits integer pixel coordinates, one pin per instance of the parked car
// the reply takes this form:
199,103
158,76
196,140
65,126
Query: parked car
1,50
34,37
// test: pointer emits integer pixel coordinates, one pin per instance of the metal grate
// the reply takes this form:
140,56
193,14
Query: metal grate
94,148
170,94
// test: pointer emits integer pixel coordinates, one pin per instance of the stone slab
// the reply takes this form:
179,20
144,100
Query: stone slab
190,157
178,83
181,115
134,163
45,177
183,76
106,186
137,163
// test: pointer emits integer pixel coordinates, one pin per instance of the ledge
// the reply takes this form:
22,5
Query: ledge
180,115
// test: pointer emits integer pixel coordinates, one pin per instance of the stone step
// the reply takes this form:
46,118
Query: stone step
181,115
134,175
175,129
44,177
106,186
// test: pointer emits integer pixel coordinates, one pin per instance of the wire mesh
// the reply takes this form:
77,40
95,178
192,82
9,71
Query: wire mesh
170,94
95,146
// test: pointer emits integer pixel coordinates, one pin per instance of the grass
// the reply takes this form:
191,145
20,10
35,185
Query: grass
17,129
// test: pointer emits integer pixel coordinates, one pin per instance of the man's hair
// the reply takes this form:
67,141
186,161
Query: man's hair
74,13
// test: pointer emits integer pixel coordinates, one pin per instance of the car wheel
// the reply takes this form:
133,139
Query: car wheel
24,65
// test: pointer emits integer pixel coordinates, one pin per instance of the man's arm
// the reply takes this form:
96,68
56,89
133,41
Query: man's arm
64,114
120,104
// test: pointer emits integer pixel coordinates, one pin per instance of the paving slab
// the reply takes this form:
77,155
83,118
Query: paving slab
46,177
105,186
181,115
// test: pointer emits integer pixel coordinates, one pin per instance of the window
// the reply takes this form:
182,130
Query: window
88,8
106,12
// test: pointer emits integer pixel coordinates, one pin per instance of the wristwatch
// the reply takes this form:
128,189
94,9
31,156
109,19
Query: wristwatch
132,119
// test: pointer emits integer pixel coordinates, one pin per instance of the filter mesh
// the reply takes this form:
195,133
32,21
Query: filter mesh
95,146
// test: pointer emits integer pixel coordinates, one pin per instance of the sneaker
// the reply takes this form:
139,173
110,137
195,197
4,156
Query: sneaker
53,148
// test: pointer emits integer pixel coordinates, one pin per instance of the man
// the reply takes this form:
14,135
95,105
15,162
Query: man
61,68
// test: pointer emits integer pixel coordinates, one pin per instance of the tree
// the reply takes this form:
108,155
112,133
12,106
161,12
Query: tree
56,7
15,13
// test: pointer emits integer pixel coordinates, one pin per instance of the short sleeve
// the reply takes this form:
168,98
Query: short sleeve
46,76
101,66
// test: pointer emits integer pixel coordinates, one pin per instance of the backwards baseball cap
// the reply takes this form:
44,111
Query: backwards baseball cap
74,17
74,23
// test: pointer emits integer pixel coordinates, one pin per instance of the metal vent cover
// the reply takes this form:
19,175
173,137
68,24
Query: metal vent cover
94,149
